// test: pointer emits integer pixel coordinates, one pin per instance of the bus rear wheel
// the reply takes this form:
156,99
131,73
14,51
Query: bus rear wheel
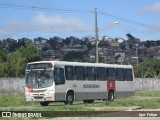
69,98
90,101
44,103
110,96
85,101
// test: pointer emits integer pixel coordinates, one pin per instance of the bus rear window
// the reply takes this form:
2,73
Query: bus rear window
128,75
120,74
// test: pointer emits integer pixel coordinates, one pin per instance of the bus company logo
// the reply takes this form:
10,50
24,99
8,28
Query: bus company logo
110,84
90,86
6,114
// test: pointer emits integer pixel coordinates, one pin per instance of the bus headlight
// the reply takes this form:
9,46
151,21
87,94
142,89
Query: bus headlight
28,91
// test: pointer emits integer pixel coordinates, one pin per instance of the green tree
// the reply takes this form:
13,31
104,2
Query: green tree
2,56
2,70
148,69
2,63
30,53
11,64
16,62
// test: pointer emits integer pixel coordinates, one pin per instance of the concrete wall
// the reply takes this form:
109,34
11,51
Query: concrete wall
14,86
147,84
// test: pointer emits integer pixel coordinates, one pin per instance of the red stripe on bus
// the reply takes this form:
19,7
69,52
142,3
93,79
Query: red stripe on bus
111,85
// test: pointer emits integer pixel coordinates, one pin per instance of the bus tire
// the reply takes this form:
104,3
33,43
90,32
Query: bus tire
69,98
44,103
111,96
85,101
90,101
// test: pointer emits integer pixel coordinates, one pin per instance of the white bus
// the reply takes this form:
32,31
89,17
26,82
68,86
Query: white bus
48,81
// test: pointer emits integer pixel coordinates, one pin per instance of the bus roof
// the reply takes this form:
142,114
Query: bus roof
62,63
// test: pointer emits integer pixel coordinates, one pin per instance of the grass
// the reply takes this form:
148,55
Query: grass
11,101
152,103
16,103
63,107
148,93
145,104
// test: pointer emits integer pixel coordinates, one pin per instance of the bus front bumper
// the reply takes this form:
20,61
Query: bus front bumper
40,98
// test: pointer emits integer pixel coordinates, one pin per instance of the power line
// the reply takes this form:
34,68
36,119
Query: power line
129,21
44,8
15,6
79,11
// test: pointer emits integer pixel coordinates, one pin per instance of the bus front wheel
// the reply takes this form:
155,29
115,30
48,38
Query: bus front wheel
69,98
44,103
110,96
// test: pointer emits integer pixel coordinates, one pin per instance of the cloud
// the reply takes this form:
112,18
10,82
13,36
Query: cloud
42,23
150,9
61,25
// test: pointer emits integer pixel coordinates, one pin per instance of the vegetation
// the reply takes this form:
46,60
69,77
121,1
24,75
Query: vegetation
13,64
15,56
147,99
150,68
11,101
143,103
148,93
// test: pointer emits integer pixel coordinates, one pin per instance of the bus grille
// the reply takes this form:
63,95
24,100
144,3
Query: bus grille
38,91
38,94
38,97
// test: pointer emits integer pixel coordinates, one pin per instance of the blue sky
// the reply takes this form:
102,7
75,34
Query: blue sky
48,18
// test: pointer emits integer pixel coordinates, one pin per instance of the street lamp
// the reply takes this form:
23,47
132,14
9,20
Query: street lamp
96,36
116,22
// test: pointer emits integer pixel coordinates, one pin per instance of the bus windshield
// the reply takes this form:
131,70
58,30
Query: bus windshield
39,78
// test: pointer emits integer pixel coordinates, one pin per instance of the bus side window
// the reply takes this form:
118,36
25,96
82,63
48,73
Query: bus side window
111,73
69,72
128,75
120,74
59,76
80,73
101,74
90,73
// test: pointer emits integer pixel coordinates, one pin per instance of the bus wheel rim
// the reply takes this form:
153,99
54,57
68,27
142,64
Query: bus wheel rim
70,98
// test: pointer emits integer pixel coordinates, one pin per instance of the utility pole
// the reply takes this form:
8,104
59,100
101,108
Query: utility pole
137,45
137,56
96,35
